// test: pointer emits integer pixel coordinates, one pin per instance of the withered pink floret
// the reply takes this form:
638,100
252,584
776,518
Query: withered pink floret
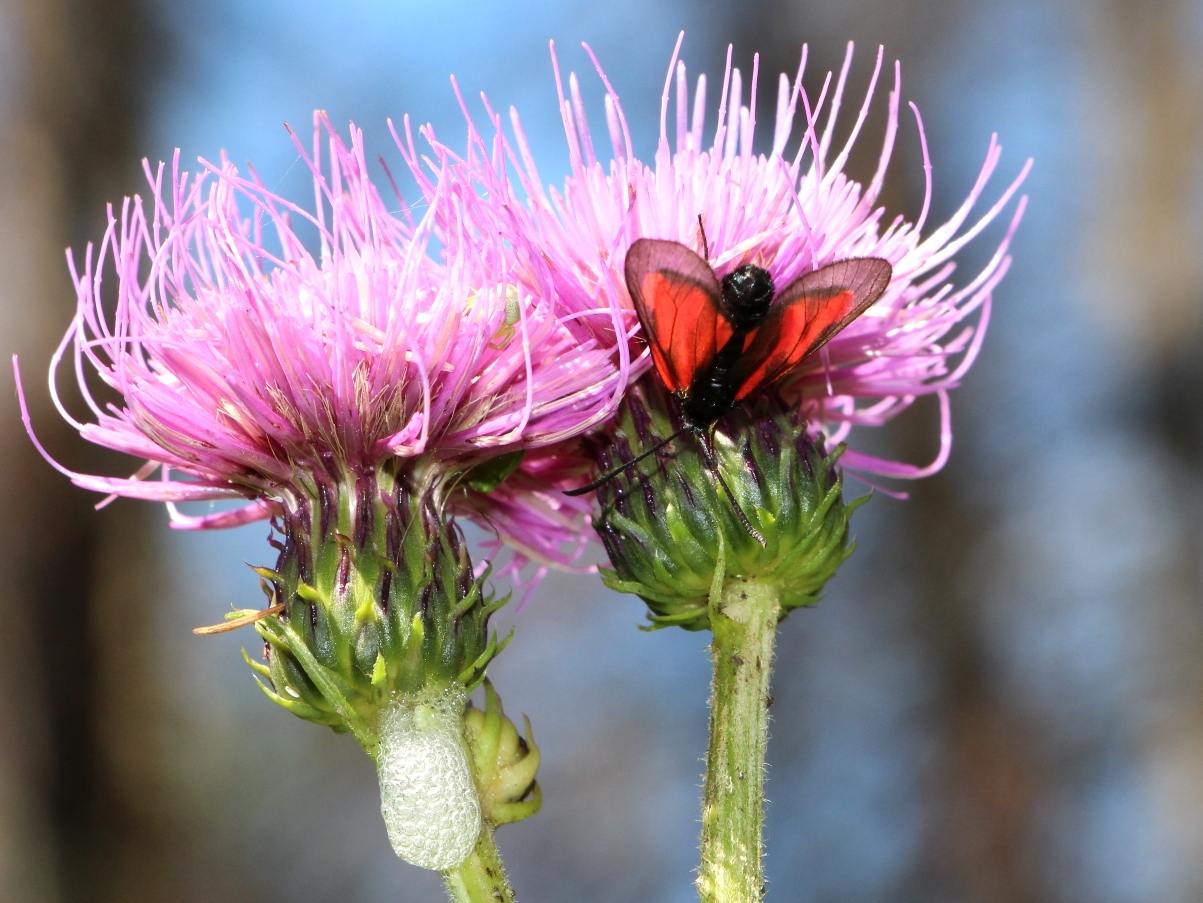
246,363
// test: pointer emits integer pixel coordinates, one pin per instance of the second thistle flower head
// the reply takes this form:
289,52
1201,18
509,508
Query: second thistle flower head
787,213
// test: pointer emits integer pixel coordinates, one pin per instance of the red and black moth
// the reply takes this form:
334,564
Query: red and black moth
716,342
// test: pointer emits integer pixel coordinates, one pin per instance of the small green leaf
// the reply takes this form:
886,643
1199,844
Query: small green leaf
488,475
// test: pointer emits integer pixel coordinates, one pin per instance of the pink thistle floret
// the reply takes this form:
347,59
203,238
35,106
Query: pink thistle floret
249,366
791,213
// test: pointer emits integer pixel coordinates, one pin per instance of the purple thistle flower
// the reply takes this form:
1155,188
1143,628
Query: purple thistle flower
790,213
359,395
249,366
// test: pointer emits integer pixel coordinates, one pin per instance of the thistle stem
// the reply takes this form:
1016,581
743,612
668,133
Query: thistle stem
481,877
743,619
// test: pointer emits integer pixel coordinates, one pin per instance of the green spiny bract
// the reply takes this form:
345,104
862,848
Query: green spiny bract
380,601
671,531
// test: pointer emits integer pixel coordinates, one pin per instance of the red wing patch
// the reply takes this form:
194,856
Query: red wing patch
677,298
805,316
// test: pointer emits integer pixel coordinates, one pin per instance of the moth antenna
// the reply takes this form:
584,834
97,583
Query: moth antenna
600,481
705,244
712,463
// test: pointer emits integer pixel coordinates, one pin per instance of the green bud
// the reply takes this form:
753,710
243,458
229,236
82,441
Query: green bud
380,603
673,534
504,762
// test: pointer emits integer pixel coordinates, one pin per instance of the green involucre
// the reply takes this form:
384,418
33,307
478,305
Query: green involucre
379,600
668,526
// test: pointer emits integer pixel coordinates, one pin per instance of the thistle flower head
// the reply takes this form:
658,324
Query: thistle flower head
361,377
251,362
790,211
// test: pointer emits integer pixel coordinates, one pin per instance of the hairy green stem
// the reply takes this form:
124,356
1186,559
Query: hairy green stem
481,877
743,618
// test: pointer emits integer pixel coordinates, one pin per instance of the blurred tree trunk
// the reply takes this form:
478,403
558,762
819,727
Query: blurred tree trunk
69,823
1143,259
1140,253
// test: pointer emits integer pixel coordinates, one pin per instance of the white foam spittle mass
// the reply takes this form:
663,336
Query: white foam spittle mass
427,795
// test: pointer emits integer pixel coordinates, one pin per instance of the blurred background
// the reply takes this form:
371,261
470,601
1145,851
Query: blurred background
1000,699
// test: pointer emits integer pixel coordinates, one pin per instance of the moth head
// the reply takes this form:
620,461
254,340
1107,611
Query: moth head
747,293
